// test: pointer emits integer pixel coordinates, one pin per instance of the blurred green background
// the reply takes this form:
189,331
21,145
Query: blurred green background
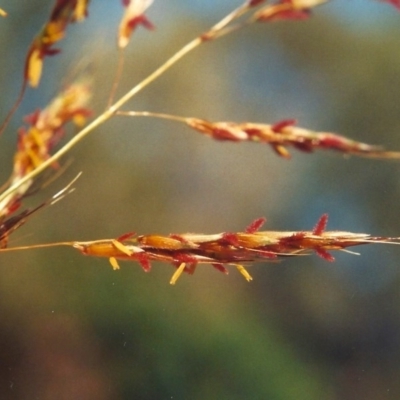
71,328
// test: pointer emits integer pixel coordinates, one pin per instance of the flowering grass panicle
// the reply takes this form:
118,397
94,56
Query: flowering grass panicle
36,149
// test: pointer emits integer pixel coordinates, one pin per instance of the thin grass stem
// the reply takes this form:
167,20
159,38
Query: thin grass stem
125,98
151,115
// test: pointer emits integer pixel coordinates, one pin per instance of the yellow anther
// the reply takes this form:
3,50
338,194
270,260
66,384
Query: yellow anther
121,247
80,10
177,274
35,65
244,272
114,263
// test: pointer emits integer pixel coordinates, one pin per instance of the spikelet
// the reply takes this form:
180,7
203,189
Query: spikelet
35,142
287,10
186,251
132,18
64,12
285,134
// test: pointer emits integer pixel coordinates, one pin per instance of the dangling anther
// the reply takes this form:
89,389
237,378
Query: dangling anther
177,274
244,272
114,263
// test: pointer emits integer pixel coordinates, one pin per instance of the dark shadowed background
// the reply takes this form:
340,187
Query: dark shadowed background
71,328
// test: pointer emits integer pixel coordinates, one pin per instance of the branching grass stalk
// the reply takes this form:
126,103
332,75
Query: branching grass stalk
117,78
215,32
